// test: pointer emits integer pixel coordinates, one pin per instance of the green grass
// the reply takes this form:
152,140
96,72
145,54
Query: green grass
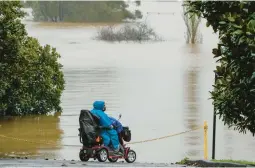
183,161
236,161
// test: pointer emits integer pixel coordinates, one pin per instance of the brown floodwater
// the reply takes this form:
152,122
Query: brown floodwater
160,88
28,136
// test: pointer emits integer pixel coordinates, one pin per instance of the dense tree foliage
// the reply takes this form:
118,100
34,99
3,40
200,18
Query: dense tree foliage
234,90
31,80
82,11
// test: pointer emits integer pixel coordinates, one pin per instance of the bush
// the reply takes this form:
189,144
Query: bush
31,80
129,32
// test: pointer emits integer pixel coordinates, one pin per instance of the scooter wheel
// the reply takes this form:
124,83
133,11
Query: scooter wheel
83,157
113,160
131,156
102,155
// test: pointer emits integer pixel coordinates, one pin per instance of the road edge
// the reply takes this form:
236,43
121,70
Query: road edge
206,163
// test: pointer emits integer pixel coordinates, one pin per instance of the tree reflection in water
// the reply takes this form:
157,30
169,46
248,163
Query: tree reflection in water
193,140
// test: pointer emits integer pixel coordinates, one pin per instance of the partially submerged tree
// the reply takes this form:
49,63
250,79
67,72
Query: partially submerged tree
31,80
234,91
192,22
137,32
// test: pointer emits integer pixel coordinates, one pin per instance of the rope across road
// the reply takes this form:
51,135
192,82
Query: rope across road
130,143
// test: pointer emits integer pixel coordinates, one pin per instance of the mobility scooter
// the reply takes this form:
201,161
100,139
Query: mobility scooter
93,148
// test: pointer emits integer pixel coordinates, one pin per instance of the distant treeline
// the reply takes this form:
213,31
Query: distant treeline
82,11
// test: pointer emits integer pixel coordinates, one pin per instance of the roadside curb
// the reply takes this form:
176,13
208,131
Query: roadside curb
21,162
205,163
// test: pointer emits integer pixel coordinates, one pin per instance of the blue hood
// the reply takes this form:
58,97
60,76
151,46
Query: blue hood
98,105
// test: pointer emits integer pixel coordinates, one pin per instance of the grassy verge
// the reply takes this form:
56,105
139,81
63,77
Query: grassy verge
183,161
236,161
222,162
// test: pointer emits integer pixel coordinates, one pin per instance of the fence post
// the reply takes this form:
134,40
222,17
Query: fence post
205,141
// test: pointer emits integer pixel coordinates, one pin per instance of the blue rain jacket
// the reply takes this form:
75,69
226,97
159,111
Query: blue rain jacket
109,136
116,124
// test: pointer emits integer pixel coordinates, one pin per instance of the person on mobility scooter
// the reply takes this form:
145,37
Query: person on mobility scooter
91,131
108,133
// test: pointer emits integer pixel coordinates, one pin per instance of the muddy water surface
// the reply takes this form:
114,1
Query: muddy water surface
159,88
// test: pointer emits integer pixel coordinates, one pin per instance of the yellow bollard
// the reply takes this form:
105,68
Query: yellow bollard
205,141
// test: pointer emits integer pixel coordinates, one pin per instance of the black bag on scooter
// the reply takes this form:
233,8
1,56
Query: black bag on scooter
126,134
88,128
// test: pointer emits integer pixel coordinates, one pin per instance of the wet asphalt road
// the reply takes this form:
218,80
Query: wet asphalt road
69,163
